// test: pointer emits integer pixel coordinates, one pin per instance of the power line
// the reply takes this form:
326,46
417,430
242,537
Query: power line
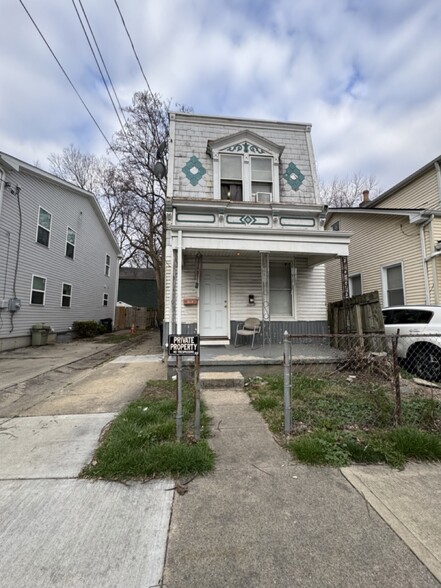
102,60
66,75
136,55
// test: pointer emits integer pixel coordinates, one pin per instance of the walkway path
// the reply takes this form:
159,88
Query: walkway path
262,521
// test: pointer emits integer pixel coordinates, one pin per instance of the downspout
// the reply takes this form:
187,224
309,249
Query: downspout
115,300
179,287
423,257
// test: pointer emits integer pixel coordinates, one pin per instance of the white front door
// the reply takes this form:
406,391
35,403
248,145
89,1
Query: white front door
213,318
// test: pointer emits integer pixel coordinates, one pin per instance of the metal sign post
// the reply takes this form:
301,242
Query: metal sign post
179,346
197,397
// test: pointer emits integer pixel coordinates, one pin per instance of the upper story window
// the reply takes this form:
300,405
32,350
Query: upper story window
245,168
70,243
44,227
107,266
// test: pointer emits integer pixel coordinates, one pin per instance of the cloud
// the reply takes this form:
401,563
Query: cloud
365,74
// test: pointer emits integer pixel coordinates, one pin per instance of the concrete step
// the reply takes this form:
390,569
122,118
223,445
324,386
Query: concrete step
221,380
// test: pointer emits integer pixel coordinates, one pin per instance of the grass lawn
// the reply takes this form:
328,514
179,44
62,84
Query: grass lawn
337,423
141,441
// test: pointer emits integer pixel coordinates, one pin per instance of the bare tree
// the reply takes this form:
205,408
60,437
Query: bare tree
132,197
347,192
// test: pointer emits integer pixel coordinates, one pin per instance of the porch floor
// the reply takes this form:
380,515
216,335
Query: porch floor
225,355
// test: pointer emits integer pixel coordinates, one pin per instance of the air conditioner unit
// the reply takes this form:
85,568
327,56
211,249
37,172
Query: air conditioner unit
263,197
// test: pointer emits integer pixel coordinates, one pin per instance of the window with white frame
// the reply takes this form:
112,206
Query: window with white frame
38,290
258,188
355,288
281,289
107,266
393,289
66,295
105,299
44,227
70,243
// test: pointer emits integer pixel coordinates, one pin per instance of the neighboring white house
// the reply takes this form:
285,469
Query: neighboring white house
58,258
245,233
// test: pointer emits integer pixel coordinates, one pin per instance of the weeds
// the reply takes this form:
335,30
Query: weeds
336,422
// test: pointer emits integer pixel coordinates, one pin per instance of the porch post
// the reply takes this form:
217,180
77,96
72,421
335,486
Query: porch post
179,287
266,316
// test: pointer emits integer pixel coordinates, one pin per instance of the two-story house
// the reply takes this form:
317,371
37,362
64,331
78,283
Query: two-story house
244,229
58,258
396,242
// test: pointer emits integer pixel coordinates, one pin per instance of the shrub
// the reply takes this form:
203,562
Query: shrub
86,329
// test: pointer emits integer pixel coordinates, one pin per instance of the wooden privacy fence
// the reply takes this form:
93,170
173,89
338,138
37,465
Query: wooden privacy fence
357,315
141,318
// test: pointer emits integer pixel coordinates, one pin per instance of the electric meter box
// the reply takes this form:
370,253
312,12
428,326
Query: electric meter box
14,304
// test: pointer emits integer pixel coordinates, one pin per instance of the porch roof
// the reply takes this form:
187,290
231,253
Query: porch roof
316,246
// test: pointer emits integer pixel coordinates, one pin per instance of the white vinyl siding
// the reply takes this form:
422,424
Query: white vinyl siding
44,227
38,290
68,208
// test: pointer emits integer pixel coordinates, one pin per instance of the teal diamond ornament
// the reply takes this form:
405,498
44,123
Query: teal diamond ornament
194,170
247,220
293,176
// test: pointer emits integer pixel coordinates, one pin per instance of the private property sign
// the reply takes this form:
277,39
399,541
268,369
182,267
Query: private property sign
183,344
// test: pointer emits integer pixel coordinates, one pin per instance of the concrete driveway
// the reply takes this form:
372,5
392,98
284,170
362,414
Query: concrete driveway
58,530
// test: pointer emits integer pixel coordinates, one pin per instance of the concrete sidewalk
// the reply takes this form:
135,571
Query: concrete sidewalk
261,520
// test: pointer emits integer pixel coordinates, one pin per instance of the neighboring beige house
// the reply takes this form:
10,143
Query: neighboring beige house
395,246
245,235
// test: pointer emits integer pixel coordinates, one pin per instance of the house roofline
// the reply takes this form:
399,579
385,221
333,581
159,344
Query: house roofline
12,163
415,175
236,121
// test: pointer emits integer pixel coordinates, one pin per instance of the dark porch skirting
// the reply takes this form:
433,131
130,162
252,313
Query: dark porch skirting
277,329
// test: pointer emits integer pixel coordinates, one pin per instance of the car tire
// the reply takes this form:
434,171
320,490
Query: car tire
425,362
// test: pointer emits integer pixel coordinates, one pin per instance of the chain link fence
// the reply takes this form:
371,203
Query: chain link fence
384,379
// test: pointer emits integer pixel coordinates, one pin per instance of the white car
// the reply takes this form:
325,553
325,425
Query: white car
419,343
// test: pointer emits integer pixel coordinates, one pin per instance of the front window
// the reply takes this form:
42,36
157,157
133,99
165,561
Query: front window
393,290
44,227
261,179
70,243
38,290
355,288
231,177
66,295
281,300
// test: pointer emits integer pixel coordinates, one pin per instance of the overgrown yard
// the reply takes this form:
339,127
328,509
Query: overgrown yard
141,442
336,422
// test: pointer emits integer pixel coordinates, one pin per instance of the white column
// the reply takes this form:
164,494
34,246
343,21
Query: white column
179,287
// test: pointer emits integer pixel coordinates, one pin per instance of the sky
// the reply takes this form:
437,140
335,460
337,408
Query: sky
365,73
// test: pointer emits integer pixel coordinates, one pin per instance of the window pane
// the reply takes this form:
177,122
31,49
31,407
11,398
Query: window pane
65,301
355,285
71,236
394,278
37,297
280,276
43,236
69,250
44,219
261,187
280,302
395,297
231,167
261,169
67,289
38,283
